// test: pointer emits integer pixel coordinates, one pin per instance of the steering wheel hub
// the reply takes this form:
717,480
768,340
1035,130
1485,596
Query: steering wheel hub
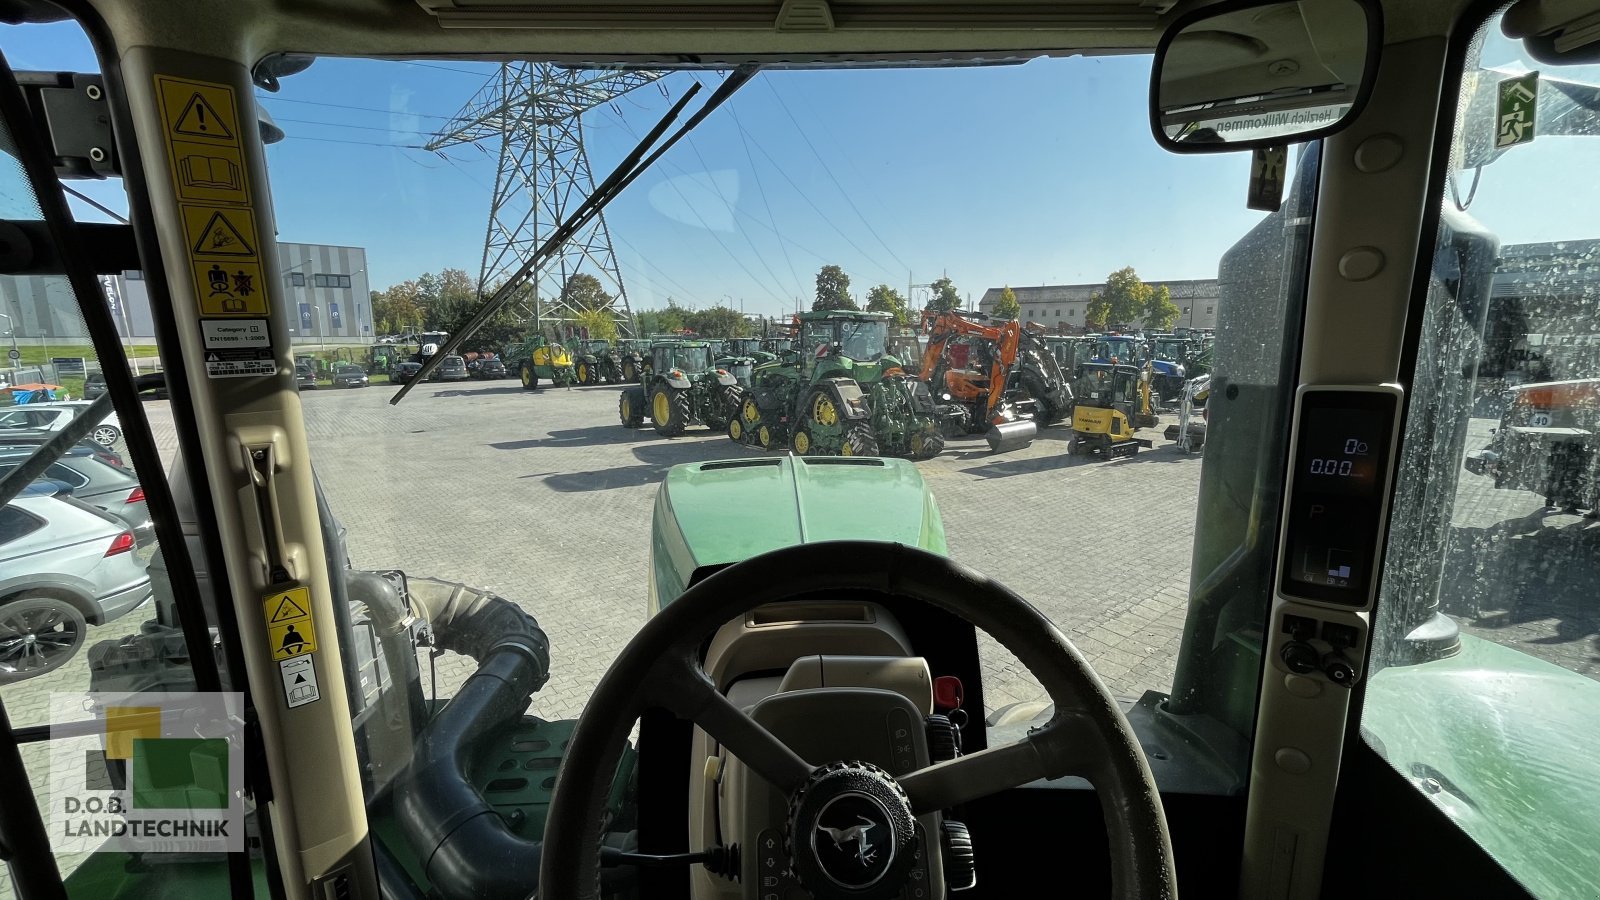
851,833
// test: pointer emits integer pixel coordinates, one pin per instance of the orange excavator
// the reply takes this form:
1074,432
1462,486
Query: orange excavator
992,376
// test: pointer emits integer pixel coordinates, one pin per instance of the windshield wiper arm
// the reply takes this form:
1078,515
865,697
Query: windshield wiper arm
623,175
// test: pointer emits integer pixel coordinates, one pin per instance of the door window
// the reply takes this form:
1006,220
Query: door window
1486,692
95,674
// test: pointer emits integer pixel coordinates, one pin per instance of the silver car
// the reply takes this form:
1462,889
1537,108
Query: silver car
64,566
89,478
54,416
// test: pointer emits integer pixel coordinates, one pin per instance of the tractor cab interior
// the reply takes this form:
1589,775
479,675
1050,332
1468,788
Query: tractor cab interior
477,642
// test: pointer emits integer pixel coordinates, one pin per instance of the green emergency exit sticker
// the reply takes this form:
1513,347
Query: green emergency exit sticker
1515,106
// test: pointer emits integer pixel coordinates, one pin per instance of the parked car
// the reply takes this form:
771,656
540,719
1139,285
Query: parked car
54,416
346,375
94,386
305,375
100,484
451,368
404,372
66,566
487,369
33,437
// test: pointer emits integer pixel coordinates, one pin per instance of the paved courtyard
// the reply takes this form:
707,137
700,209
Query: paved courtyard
545,499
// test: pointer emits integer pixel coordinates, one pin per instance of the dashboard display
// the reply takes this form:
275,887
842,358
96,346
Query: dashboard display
1340,477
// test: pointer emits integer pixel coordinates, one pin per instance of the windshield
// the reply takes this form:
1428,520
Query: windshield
765,211
775,206
1123,349
690,360
863,341
1171,351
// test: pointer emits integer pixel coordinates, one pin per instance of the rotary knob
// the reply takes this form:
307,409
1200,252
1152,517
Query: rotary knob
960,866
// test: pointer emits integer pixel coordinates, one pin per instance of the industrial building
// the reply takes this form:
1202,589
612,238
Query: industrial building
324,295
1051,305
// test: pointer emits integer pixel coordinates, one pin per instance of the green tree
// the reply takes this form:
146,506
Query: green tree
1160,312
585,291
661,321
1123,301
883,298
833,290
602,325
945,296
397,307
718,322
1007,306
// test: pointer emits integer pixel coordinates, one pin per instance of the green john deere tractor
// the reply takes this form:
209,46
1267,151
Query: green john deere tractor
839,393
594,361
684,387
740,356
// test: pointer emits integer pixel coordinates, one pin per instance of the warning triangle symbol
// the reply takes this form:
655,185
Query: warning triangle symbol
200,119
299,679
287,609
212,357
221,237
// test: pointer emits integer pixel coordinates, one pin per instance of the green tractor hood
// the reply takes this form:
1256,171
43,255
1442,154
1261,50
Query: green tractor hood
1491,737
710,514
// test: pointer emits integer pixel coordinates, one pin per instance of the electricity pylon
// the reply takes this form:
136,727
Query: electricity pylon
531,114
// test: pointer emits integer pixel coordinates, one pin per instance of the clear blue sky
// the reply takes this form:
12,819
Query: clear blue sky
1043,173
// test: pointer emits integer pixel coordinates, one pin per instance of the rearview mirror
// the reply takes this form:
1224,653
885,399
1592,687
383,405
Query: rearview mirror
1262,74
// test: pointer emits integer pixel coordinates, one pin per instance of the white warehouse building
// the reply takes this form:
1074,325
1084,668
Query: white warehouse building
1051,305
324,296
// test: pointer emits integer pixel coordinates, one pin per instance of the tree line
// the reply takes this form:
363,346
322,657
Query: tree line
833,292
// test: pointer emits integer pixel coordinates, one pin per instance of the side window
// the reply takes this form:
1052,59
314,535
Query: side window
97,680
1486,692
16,524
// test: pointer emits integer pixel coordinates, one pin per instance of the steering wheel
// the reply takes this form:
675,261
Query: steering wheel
1088,735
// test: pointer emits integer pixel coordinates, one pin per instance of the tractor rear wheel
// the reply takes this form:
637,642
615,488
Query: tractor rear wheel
529,379
859,441
630,408
669,410
731,401
926,444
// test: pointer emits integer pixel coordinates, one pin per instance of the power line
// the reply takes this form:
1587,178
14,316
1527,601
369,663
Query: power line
846,194
358,127
302,137
714,236
809,202
745,141
422,65
725,202
387,112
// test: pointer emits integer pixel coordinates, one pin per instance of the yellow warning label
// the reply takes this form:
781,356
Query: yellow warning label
228,233
231,288
292,639
206,158
198,109
289,625
209,173
288,605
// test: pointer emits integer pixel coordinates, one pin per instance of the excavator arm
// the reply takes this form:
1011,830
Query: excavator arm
943,327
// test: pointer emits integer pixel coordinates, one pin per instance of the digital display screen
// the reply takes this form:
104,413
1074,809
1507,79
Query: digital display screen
1340,477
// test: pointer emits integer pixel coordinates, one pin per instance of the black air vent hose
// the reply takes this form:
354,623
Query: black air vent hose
466,848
